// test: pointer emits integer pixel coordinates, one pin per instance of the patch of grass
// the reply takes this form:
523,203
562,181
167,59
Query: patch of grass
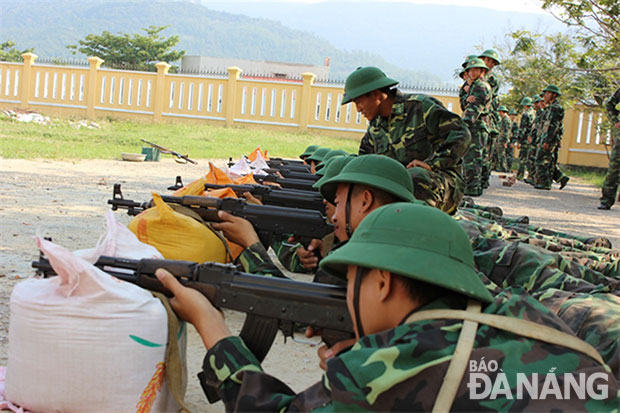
594,176
60,140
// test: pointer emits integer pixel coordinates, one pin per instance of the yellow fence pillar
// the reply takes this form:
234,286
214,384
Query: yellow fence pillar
91,91
231,94
158,93
305,103
26,81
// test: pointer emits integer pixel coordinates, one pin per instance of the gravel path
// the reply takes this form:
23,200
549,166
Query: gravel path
67,201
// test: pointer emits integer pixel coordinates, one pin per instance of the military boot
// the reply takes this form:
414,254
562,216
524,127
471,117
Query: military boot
563,181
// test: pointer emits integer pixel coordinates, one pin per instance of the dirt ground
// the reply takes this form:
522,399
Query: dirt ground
67,201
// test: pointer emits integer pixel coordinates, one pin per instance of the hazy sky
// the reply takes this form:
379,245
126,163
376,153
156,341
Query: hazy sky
524,6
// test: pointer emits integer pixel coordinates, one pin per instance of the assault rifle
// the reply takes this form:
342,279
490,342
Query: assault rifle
275,162
272,195
287,173
291,183
177,156
287,183
270,303
269,221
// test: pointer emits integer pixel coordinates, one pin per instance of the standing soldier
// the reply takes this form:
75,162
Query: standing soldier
475,116
514,139
416,130
539,107
549,139
503,140
490,59
525,129
464,89
612,179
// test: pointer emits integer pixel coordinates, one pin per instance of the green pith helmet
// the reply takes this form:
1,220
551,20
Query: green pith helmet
553,89
513,112
502,108
413,240
309,151
331,154
490,53
318,155
377,171
467,59
363,80
332,168
476,62
536,98
526,101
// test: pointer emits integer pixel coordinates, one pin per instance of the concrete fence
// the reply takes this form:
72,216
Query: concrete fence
303,106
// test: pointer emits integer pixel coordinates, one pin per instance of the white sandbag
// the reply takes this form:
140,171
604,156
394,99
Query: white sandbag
85,341
118,241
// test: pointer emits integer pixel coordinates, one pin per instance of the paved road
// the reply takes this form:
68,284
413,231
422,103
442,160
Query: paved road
572,209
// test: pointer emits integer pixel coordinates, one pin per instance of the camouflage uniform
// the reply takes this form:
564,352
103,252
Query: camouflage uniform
421,128
550,134
514,139
475,116
403,368
612,179
493,120
463,92
525,129
531,157
502,144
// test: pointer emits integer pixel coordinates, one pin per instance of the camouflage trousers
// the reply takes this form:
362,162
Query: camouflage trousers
473,162
612,178
530,164
442,189
547,167
509,157
487,158
523,154
498,160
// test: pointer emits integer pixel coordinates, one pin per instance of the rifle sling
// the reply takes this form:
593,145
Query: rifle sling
192,214
472,318
175,372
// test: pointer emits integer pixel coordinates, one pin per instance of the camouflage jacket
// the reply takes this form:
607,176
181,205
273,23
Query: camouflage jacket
612,106
403,369
421,128
552,127
256,260
525,128
476,112
538,122
463,91
504,130
514,138
493,81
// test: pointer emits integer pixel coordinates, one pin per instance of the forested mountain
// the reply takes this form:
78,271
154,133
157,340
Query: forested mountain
49,26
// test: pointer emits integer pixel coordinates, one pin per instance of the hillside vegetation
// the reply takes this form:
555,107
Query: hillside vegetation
49,26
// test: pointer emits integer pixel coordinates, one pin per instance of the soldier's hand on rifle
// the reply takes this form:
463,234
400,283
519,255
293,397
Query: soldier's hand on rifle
308,256
324,352
617,125
419,163
236,229
195,308
470,99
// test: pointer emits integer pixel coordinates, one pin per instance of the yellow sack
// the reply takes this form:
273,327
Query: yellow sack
217,176
194,188
177,236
